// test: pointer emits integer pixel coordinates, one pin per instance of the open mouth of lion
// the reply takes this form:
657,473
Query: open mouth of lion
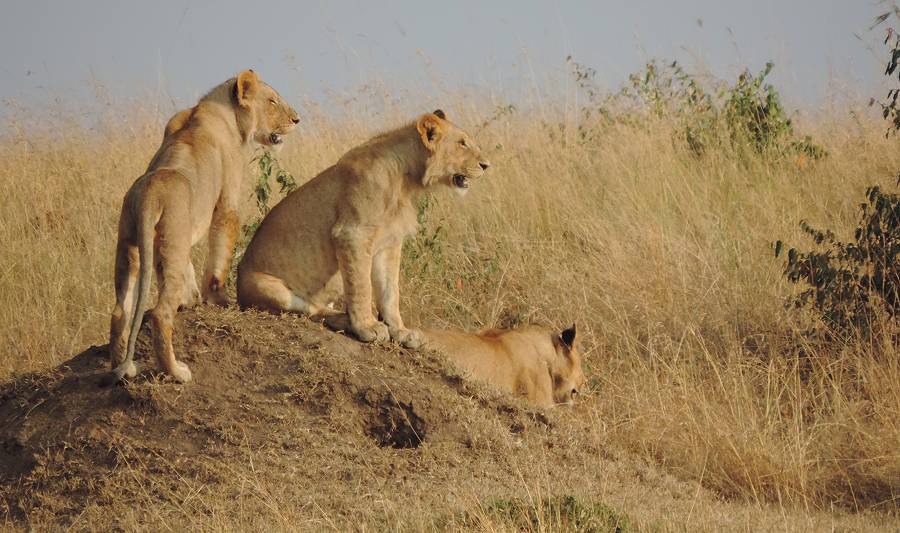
460,181
276,138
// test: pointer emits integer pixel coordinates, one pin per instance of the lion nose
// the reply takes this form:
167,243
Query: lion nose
484,165
296,120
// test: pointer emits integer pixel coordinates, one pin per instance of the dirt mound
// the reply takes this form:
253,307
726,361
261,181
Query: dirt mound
288,425
281,411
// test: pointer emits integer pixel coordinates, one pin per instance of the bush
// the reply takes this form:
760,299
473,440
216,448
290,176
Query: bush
754,115
426,250
746,113
262,191
562,513
851,285
889,107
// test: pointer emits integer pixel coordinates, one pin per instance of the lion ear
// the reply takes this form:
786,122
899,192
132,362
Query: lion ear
430,129
247,82
567,337
440,113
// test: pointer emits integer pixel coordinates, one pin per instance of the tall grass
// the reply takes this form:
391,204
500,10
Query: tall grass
663,258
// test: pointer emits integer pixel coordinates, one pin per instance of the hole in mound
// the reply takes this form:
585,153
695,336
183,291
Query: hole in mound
397,425
14,458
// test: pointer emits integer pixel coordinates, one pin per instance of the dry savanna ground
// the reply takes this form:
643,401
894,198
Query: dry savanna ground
699,373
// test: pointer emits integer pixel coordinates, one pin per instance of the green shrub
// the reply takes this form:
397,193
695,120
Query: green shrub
425,251
716,115
889,107
562,513
754,114
262,191
851,285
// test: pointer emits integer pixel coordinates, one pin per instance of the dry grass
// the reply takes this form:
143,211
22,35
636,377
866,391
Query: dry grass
663,259
668,262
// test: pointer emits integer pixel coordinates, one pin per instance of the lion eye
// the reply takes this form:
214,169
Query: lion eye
463,143
273,101
574,392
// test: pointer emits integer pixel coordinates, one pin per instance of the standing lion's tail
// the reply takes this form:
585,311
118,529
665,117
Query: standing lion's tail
146,230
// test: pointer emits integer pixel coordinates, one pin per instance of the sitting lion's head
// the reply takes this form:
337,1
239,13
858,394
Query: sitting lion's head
568,378
261,110
455,158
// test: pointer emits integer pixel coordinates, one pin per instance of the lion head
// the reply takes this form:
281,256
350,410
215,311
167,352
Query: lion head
568,378
455,159
260,110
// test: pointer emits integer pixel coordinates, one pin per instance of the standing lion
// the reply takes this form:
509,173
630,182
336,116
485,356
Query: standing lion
344,229
191,187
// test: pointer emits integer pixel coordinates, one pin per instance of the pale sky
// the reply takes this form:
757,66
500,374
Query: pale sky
179,49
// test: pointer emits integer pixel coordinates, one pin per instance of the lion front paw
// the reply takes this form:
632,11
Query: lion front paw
181,373
377,332
374,332
337,321
408,338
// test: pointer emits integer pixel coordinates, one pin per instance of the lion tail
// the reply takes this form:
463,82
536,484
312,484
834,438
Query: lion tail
146,232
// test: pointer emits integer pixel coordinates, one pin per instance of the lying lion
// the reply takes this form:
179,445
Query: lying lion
343,230
531,361
191,187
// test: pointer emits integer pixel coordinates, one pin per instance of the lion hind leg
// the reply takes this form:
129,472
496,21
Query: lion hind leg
126,278
163,325
270,293
222,235
173,253
191,290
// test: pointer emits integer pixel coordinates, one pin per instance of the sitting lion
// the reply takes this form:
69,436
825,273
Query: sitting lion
344,229
532,361
191,187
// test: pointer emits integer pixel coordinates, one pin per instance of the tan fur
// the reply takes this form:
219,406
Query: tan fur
532,361
344,229
177,122
191,187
